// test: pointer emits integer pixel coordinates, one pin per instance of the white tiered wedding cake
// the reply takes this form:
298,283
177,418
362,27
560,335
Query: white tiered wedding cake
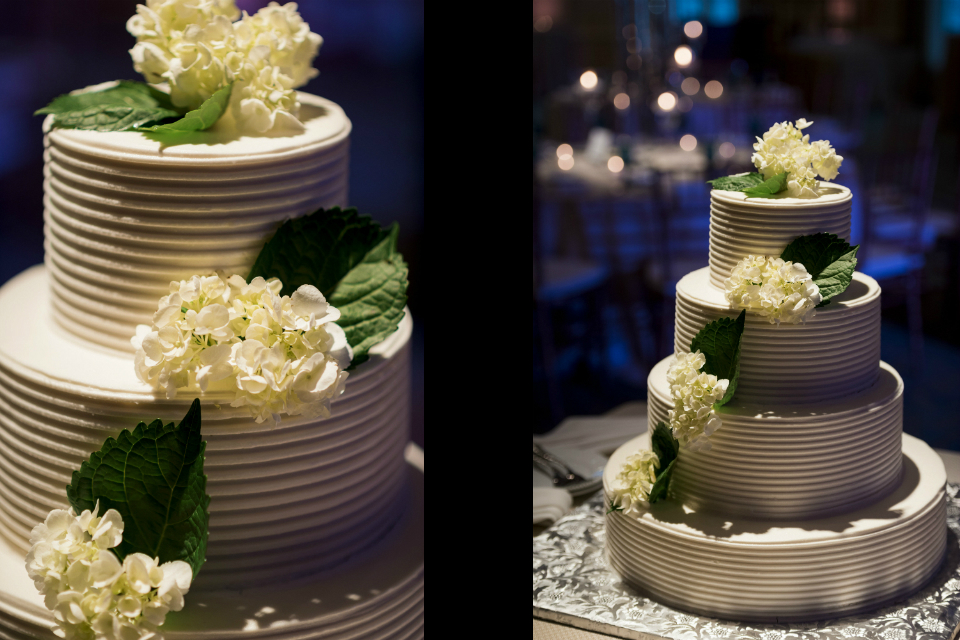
811,502
315,523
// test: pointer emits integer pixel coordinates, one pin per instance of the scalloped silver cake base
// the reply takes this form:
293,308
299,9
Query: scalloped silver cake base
574,585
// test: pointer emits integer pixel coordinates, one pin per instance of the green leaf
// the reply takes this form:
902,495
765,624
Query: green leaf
664,444
318,249
125,106
768,188
736,183
659,489
371,297
198,119
154,478
829,259
613,507
667,449
720,342
352,261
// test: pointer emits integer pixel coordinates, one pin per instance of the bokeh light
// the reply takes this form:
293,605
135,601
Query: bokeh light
713,89
684,104
683,55
688,142
615,164
667,100
693,29
690,86
564,150
565,163
543,24
727,149
621,101
634,62
588,80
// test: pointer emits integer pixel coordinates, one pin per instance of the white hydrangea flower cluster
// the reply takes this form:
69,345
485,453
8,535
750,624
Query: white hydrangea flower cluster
781,291
91,593
280,355
693,419
785,148
197,48
634,482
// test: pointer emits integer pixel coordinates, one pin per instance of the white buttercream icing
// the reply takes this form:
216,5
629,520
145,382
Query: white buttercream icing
287,500
742,226
832,355
772,460
731,566
125,214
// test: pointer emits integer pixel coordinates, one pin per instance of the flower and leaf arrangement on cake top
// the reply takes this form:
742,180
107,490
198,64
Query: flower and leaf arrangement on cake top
126,553
214,60
787,163
810,271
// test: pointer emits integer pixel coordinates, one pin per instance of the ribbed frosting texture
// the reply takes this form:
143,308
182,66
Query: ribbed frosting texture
125,215
833,355
741,226
285,500
732,567
791,462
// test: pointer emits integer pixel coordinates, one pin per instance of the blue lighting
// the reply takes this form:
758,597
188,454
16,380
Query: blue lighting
723,13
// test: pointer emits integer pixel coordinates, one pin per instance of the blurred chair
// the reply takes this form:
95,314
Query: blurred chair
572,289
898,188
683,245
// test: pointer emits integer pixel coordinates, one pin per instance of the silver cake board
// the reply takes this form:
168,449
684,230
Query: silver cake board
574,585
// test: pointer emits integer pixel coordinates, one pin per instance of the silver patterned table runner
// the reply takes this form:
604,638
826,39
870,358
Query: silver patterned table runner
573,584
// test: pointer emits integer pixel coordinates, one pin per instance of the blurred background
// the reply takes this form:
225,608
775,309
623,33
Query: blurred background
637,102
371,64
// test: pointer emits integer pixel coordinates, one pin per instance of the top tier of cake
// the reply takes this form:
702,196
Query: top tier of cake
126,214
741,226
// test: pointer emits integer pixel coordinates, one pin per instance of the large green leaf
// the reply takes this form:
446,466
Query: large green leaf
318,249
768,188
829,259
154,478
199,119
667,449
720,342
371,297
124,106
352,261
736,183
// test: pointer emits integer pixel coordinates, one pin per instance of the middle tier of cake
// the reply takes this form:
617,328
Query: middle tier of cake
775,461
287,500
832,355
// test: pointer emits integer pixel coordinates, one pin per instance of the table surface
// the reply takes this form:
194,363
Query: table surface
545,630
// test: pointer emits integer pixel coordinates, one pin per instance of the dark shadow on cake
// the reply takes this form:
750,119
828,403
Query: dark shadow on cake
720,525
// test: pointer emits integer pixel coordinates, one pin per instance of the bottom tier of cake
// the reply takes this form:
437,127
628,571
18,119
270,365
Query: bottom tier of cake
377,595
739,568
